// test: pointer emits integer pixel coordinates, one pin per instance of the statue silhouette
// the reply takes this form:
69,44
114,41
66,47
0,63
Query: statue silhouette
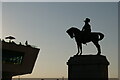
81,37
86,29
10,38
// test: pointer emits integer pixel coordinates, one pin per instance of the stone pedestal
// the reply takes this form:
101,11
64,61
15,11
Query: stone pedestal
88,67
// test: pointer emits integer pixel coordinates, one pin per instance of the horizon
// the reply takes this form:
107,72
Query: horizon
54,78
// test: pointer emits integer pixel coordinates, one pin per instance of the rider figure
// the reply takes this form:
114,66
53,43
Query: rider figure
86,29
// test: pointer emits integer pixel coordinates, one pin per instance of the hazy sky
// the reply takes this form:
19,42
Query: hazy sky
44,25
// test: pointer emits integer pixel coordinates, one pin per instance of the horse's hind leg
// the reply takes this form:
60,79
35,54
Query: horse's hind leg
78,49
98,47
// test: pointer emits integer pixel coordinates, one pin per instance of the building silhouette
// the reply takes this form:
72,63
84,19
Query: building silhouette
17,59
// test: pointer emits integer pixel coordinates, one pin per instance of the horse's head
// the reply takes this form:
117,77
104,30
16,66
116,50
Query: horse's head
71,32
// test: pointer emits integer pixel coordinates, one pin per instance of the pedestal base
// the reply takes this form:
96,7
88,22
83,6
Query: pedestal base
84,67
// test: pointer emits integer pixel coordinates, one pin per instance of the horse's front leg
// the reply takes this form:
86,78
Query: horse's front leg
80,48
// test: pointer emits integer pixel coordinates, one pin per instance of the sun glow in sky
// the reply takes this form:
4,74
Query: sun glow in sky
44,25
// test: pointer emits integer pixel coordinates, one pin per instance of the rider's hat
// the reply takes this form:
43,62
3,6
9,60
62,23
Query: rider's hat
87,20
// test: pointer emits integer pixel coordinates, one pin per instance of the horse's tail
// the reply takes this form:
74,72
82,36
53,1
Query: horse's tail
101,36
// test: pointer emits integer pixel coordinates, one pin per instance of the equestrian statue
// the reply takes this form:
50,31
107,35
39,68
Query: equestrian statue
85,35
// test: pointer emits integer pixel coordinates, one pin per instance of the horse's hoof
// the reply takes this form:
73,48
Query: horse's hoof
77,54
98,53
80,53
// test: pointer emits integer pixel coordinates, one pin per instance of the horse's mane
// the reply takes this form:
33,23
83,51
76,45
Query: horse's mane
75,29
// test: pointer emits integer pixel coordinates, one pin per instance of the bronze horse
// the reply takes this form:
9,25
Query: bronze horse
81,37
